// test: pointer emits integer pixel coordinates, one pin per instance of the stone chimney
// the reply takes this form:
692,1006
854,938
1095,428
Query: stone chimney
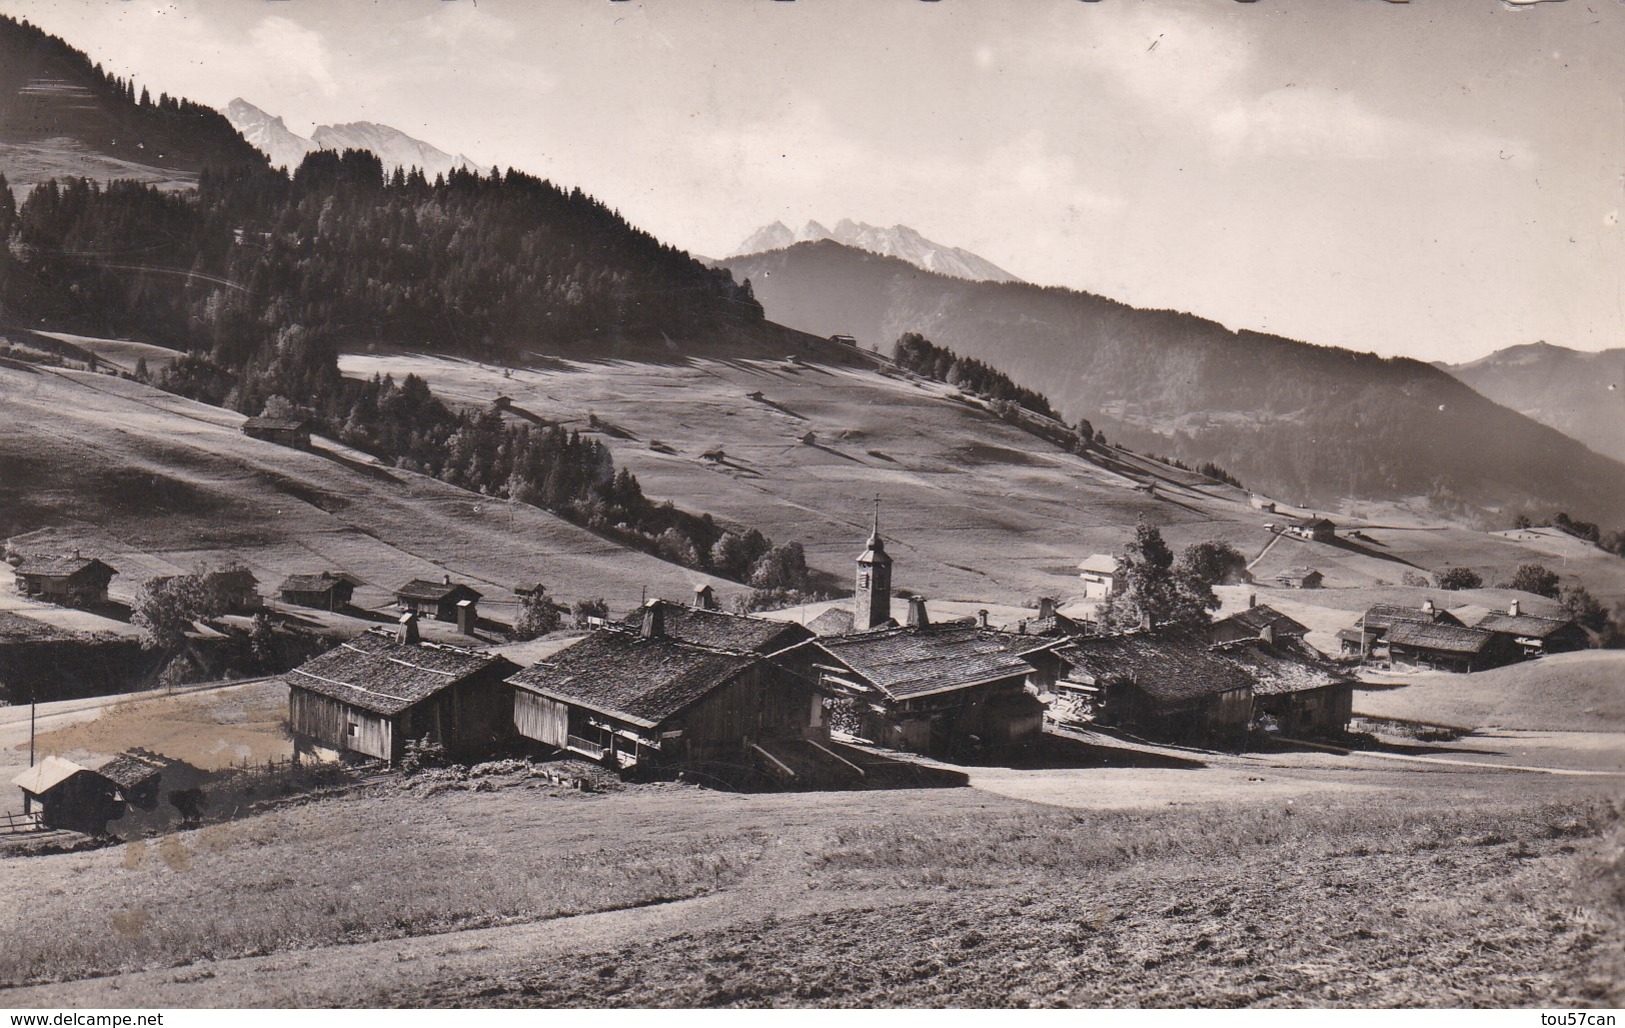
916,612
445,579
654,620
1428,607
1252,600
981,619
407,633
705,597
1512,608
1046,607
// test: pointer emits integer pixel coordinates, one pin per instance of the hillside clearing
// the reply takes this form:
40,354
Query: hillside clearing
1565,692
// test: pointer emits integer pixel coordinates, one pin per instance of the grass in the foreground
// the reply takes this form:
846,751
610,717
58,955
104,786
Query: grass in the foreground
345,870
1478,906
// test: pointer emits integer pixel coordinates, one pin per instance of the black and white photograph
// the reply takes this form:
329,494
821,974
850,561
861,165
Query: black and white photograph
652,505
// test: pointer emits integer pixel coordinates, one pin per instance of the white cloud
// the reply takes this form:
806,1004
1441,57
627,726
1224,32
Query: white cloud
286,44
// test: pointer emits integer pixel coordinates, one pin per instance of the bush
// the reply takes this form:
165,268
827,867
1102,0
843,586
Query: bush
1535,578
1460,578
537,617
1415,579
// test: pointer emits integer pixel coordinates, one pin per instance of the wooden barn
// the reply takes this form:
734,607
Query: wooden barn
1448,647
650,702
371,695
943,690
1295,690
1369,636
1259,621
74,581
325,591
84,795
294,432
1533,636
1317,529
1167,684
1300,578
444,600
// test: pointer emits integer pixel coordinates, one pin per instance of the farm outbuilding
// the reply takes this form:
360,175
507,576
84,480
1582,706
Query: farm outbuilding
1532,635
1259,621
1317,529
84,795
1448,647
1297,690
936,689
1168,684
1368,637
716,629
74,581
444,600
651,702
294,432
373,694
327,590
1300,578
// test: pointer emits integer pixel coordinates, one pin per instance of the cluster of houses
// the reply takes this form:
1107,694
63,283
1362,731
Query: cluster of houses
1430,636
685,687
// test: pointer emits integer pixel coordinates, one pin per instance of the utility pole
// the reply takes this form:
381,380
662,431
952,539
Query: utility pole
33,708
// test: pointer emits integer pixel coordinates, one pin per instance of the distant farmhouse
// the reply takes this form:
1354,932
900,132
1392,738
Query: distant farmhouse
74,581
1534,636
1369,636
324,591
1170,685
294,432
1315,529
373,694
443,601
1447,647
1100,578
1300,578
1258,621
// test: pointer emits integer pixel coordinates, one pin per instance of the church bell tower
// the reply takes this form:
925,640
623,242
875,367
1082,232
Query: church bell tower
872,606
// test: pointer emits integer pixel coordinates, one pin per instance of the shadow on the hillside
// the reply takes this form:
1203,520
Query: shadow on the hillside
1063,752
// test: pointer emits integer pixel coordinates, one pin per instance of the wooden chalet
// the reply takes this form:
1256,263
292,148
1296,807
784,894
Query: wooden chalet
653,701
1316,529
1368,637
444,600
1531,635
935,689
1168,684
371,695
1100,578
1447,647
1300,578
1296,691
294,432
325,591
84,795
1259,621
74,581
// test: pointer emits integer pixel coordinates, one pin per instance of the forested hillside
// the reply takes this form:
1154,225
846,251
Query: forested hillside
1306,423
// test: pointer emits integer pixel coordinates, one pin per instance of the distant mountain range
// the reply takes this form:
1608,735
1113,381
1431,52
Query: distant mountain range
1580,394
63,116
1307,424
898,241
287,148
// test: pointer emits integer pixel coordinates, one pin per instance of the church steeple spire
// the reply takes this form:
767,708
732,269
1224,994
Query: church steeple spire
871,607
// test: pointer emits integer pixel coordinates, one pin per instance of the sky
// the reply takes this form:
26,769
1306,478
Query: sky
1438,179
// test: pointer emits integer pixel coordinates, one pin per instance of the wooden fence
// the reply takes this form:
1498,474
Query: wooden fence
17,824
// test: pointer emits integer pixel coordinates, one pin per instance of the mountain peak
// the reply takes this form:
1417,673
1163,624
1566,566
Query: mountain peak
898,241
287,149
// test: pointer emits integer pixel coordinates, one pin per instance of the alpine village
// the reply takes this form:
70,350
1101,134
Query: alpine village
432,590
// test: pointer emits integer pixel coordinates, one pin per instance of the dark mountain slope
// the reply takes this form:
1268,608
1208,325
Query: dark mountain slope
1580,394
60,112
1306,423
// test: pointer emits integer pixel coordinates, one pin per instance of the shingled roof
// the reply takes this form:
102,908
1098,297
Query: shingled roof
1444,638
1280,670
721,630
1385,615
625,676
834,621
909,662
1530,626
316,583
59,567
124,770
433,592
1168,666
277,424
377,673
1261,616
